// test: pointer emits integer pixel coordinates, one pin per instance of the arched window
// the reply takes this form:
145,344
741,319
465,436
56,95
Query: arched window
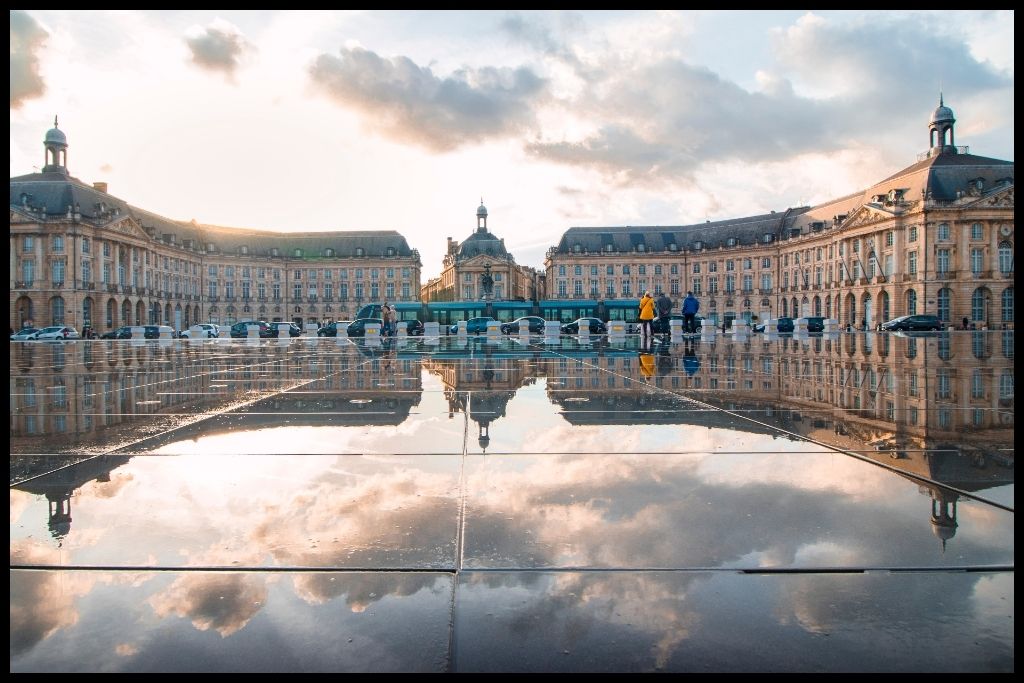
1007,314
978,305
942,304
911,302
57,310
1005,258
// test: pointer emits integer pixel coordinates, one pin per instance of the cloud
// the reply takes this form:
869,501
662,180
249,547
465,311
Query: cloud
223,602
408,102
218,47
27,38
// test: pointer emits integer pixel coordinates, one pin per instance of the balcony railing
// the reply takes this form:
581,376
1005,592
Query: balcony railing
982,274
946,275
909,277
57,284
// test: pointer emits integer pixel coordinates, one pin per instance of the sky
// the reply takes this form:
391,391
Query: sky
398,120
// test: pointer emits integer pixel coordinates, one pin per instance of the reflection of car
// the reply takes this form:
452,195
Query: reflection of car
57,332
25,334
595,325
209,330
473,325
357,328
786,325
918,322
534,323
119,333
783,325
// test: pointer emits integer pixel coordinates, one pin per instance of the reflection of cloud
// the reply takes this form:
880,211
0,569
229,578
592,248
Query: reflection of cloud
19,503
107,489
361,590
126,650
410,103
27,38
41,602
223,602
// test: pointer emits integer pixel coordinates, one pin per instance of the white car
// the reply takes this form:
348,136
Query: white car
209,330
57,332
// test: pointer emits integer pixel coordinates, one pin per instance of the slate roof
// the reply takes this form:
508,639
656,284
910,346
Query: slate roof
483,243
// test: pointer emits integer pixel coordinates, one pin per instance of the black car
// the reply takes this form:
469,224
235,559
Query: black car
596,326
119,333
267,330
534,323
413,328
473,325
920,322
331,329
783,325
357,328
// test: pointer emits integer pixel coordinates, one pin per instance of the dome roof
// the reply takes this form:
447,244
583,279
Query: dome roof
482,211
55,136
943,114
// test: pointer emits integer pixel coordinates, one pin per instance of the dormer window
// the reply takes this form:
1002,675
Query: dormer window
640,247
328,252
210,247
298,253
609,247
698,245
768,237
274,251
359,251
731,242
673,247
243,250
390,251
577,248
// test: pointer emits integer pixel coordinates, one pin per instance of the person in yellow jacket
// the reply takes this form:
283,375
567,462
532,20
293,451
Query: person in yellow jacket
646,314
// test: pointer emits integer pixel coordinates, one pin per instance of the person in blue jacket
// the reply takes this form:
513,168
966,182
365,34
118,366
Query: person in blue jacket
690,308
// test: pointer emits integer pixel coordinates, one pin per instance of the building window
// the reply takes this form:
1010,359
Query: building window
713,266
609,288
562,288
911,302
912,234
561,271
1005,258
942,304
1006,384
912,263
30,244
977,260
58,244
577,270
625,270
942,261
696,285
609,270
1007,307
943,232
577,288
696,268
889,238
977,232
766,262
729,265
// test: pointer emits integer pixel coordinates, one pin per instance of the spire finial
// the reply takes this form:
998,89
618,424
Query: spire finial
940,99
54,120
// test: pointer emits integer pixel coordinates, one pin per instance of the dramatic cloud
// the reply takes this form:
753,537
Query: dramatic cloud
223,602
408,102
27,38
218,47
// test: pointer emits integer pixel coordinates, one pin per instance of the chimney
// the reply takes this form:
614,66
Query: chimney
102,187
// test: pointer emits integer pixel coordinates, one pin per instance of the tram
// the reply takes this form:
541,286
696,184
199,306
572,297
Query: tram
563,310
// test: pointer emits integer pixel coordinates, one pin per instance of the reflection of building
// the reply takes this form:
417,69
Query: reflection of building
80,256
481,255
935,237
482,387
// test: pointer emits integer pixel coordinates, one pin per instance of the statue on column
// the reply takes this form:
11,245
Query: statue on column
487,282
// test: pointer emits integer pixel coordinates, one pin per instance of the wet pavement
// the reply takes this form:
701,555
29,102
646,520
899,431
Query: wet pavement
514,504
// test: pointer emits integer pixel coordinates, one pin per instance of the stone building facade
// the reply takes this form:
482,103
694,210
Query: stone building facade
80,256
482,254
935,237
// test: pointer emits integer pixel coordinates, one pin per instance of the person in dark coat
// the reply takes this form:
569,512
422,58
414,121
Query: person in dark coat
690,308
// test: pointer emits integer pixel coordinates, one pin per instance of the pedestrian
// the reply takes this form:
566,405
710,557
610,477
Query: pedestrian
690,308
664,305
385,315
646,314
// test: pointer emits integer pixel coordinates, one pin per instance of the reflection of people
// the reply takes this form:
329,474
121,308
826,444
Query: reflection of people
646,314
690,308
646,365
690,361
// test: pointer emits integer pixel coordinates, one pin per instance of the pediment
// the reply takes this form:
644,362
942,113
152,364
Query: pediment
128,227
866,215
1003,198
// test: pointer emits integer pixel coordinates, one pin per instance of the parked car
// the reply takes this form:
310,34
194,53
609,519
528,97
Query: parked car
154,331
919,322
57,332
473,325
357,328
534,323
595,325
787,325
25,334
240,330
331,329
210,330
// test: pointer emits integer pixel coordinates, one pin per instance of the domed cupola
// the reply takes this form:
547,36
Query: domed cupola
481,217
941,123
56,146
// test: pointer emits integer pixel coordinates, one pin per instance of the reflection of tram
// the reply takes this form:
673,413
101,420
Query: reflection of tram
563,310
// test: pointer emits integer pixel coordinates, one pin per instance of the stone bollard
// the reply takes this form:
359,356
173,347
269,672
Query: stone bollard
167,334
372,332
311,329
283,331
224,332
617,328
431,329
401,329
675,328
460,328
771,326
196,333
493,329
552,330
252,331
138,333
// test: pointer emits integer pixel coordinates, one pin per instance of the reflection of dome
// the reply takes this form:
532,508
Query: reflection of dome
483,441
943,529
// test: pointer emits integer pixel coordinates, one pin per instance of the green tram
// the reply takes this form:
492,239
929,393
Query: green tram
563,310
